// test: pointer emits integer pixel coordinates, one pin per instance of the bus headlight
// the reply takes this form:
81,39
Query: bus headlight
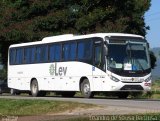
148,79
114,79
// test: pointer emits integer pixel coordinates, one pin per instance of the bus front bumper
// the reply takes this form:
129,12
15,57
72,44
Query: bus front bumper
120,86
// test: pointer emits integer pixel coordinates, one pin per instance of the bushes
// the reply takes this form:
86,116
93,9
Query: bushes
3,74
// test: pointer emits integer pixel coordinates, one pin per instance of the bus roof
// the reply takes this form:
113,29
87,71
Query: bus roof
66,37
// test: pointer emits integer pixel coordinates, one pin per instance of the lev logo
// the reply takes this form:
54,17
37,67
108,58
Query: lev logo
57,71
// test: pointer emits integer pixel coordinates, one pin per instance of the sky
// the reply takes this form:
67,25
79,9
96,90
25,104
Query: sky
152,19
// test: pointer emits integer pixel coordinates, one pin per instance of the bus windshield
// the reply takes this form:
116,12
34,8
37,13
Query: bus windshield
128,57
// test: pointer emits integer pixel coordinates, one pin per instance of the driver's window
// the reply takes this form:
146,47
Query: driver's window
98,56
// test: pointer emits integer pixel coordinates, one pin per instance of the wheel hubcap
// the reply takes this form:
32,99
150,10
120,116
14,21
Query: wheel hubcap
34,88
86,88
12,91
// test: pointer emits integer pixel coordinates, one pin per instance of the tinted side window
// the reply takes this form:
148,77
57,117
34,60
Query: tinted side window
32,54
98,56
73,48
85,50
99,59
66,51
19,56
51,53
27,57
12,55
69,51
55,52
42,53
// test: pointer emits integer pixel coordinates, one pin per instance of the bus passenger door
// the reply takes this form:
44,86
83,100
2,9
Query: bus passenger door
97,66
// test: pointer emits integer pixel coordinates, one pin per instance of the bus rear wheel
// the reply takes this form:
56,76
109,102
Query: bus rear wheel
85,89
34,88
14,92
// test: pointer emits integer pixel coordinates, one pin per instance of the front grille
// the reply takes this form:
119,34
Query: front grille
132,87
130,82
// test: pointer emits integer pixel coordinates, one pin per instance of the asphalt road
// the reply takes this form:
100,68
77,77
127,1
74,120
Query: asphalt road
148,104
106,107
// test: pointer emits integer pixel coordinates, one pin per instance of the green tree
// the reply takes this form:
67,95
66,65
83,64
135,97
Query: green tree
31,20
28,20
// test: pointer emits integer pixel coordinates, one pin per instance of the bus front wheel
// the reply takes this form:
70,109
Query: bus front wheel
85,89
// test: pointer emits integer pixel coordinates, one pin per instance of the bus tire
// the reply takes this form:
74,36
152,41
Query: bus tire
14,92
85,89
34,88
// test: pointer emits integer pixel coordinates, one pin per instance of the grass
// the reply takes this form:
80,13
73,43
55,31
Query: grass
155,90
156,86
15,107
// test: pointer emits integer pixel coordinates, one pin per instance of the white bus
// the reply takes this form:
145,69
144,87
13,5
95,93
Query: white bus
100,62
